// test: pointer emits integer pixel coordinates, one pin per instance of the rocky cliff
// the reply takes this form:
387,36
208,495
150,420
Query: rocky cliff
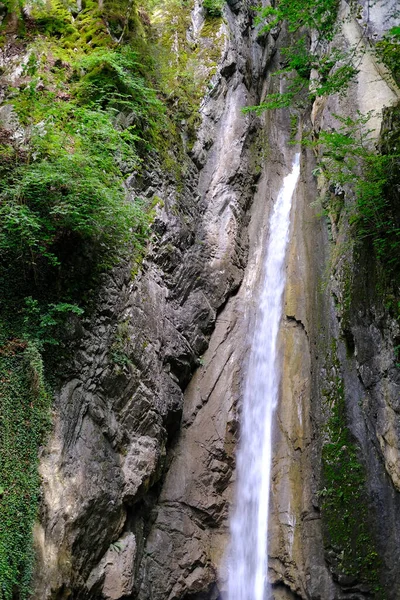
138,475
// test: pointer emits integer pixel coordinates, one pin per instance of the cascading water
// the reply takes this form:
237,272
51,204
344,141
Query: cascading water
248,561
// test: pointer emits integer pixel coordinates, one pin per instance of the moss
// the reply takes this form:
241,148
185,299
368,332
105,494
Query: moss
119,348
211,27
346,512
259,151
184,69
90,27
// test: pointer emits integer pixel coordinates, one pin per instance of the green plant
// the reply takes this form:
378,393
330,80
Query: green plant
213,8
40,323
67,186
116,547
54,19
333,69
350,161
111,79
96,24
335,72
24,420
88,114
388,51
314,14
346,155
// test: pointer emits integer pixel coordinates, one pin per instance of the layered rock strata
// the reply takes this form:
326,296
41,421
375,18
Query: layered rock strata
139,475
118,411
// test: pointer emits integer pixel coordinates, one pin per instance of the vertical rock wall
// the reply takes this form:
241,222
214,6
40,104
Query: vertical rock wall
118,411
139,474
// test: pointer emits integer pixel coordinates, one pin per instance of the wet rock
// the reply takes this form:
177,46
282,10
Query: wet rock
115,573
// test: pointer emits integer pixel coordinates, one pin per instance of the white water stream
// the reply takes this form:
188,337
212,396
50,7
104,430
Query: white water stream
248,560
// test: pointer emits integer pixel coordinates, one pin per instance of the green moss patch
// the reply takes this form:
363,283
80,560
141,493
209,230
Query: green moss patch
346,512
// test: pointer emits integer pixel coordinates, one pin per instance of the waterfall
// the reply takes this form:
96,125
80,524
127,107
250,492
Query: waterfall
248,560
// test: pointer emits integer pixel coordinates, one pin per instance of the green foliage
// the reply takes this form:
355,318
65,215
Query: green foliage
314,14
92,26
213,8
54,19
24,419
388,51
116,547
345,508
40,324
295,74
378,216
335,72
68,185
350,161
334,68
111,80
87,113
63,196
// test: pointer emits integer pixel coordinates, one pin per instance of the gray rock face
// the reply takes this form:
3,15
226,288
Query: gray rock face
115,572
139,474
372,383
120,406
363,328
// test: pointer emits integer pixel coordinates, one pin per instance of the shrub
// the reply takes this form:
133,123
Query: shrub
213,8
348,159
112,79
315,14
72,187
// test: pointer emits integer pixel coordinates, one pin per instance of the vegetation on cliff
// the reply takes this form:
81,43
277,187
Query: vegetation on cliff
90,90
349,161
347,155
64,216
25,403
361,182
349,534
307,74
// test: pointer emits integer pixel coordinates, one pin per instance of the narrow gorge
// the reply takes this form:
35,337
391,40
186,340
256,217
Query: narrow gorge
131,342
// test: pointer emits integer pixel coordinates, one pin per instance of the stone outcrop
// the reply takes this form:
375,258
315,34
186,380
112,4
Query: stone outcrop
139,474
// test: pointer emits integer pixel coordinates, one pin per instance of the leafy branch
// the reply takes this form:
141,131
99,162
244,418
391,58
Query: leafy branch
349,161
315,14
